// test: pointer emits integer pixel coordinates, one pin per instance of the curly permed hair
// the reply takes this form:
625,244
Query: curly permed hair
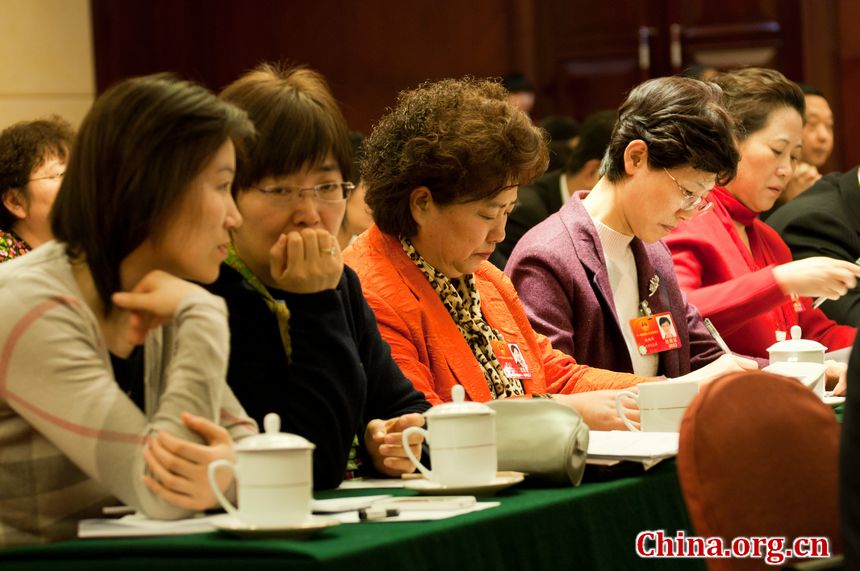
459,138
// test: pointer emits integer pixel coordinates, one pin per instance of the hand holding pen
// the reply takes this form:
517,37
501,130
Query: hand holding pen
818,277
824,298
717,337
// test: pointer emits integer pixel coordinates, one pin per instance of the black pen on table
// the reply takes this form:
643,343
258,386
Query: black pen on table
717,337
372,514
819,300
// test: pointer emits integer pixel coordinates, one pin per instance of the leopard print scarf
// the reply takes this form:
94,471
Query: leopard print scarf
460,297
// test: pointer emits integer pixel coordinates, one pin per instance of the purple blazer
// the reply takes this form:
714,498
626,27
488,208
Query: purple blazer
560,275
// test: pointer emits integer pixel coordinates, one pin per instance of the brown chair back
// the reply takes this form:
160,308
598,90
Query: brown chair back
758,457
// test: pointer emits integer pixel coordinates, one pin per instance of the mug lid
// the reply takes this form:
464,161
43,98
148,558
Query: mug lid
273,438
796,344
459,406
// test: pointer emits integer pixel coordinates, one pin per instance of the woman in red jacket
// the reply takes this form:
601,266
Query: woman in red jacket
736,269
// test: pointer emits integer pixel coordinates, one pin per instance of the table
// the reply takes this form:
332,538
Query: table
590,527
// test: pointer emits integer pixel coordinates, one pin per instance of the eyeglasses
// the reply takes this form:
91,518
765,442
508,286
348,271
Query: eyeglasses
58,176
324,192
690,202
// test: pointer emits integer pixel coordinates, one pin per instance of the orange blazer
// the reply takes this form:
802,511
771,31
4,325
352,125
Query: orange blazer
426,343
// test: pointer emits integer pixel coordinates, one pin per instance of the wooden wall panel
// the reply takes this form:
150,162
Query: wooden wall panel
368,50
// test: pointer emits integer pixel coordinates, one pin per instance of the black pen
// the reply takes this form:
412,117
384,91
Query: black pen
373,514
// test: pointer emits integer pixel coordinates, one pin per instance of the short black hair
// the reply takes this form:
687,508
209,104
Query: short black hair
594,136
663,319
517,82
683,121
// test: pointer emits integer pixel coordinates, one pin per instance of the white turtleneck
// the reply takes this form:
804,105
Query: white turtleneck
623,278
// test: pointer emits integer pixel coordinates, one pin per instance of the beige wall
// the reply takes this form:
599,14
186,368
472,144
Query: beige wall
46,59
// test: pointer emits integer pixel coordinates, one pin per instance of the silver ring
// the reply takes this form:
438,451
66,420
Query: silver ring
332,250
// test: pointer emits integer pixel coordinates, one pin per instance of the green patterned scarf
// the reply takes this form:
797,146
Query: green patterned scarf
279,308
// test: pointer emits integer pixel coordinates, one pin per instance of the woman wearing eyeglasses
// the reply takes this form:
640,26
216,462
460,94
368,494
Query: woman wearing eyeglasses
33,158
734,268
595,278
304,342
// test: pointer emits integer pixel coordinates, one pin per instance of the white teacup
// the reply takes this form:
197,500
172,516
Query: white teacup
273,477
661,404
796,349
812,375
462,439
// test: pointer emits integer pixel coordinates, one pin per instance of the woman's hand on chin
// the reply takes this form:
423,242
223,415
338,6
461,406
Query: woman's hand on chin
306,262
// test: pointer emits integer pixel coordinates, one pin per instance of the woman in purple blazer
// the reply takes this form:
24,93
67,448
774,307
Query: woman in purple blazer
595,278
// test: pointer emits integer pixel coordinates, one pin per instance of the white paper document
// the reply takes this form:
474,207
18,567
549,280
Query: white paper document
136,525
344,509
649,448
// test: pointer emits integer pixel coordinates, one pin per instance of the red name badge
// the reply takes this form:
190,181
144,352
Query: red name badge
655,333
511,359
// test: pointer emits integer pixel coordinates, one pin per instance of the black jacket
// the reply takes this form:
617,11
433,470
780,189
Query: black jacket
825,221
341,375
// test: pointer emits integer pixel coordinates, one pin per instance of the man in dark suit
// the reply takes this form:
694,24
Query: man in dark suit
825,221
546,194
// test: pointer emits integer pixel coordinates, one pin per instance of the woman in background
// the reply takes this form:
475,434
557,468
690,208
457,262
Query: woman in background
357,217
733,267
33,157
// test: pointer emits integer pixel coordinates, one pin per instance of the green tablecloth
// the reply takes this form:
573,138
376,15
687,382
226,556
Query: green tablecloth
590,527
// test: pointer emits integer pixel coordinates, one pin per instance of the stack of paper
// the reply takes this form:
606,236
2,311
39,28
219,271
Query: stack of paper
649,448
139,526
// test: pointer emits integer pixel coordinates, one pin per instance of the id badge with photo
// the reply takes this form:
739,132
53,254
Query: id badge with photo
511,358
655,333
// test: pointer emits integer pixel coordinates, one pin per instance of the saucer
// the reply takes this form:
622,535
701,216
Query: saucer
833,401
229,524
500,482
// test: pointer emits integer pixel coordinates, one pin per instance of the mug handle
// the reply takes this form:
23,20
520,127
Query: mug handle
225,503
408,449
620,411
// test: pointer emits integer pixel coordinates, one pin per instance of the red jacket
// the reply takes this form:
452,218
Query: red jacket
426,343
735,287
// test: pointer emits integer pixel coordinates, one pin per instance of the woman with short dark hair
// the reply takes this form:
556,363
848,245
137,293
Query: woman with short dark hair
110,357
33,157
595,278
442,170
736,269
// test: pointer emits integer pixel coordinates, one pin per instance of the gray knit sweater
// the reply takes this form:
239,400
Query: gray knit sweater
70,440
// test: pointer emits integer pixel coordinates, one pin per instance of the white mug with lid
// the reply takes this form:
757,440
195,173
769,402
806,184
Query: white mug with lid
796,350
273,477
462,439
